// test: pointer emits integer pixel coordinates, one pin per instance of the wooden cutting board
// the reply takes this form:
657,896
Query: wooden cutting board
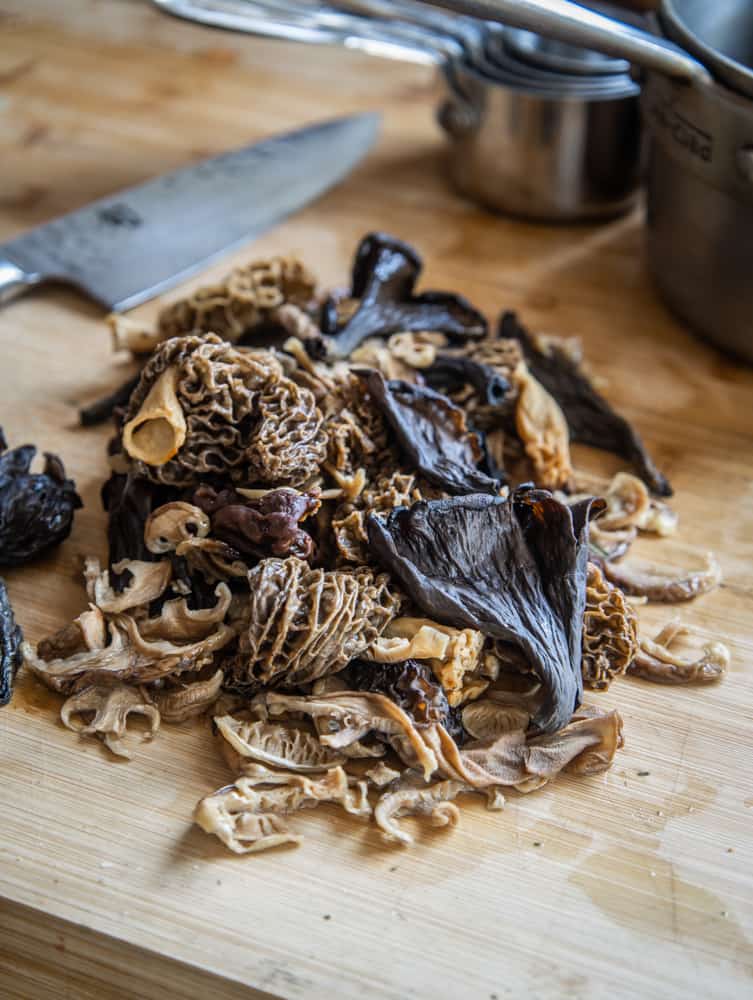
634,883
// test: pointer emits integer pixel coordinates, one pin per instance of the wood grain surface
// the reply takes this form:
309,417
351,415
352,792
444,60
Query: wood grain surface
637,883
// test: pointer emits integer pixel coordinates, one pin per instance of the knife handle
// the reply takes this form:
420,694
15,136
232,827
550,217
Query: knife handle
14,280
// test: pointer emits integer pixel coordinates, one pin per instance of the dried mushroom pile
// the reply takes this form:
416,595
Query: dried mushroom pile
318,531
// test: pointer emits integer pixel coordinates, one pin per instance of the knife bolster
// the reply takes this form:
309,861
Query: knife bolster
14,280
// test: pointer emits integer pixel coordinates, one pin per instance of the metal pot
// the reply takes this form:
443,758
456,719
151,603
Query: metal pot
524,139
700,175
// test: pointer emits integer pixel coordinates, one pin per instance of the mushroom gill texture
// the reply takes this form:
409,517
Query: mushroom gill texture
434,801
303,623
274,745
657,661
610,631
243,417
247,816
185,701
109,707
245,298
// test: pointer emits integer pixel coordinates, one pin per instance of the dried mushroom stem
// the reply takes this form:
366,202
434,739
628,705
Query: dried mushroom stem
157,432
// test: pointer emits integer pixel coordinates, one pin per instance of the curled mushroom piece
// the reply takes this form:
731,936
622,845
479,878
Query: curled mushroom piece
110,706
247,816
434,801
173,523
149,581
451,653
656,584
629,504
177,622
276,745
128,656
543,430
385,273
656,660
348,716
186,701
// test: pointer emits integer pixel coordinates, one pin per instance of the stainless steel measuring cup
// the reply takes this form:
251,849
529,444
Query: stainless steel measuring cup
523,139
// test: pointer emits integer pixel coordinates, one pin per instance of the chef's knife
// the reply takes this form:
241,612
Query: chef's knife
129,246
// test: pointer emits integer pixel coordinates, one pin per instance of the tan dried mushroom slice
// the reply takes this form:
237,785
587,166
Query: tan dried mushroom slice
148,582
186,701
486,719
128,335
173,523
584,746
656,584
277,745
179,623
110,707
433,801
158,431
87,632
656,660
543,430
347,716
246,816
629,504
128,656
381,775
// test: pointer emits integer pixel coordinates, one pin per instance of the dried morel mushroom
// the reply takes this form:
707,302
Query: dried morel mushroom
589,416
204,408
245,298
303,623
610,632
513,569
36,508
11,638
385,272
432,434
349,520
265,526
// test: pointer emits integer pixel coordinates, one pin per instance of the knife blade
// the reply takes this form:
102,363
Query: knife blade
130,246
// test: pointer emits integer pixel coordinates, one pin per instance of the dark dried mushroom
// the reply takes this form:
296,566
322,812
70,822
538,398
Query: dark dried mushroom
11,638
411,685
589,416
432,434
514,569
449,373
385,272
36,508
129,501
260,527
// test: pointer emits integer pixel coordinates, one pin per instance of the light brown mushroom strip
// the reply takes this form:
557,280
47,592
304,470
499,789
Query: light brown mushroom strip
129,335
246,816
149,581
349,715
433,801
110,707
656,584
188,700
656,661
179,623
276,745
173,523
543,430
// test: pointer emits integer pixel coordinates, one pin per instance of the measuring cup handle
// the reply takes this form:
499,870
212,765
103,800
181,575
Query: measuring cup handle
569,22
